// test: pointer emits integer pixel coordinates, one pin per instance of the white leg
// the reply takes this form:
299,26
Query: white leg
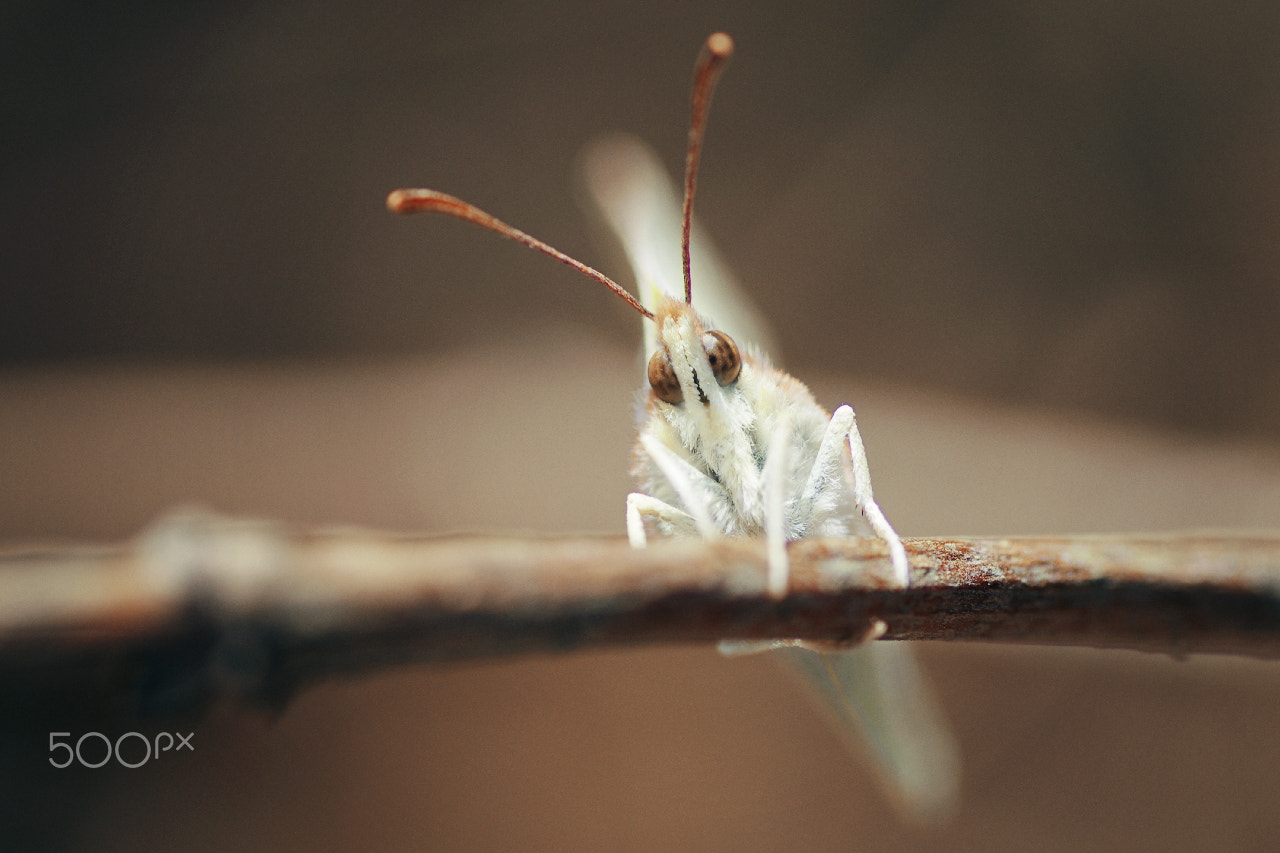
695,489
828,466
735,648
640,505
866,502
777,468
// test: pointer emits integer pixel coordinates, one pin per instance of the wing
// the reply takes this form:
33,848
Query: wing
879,692
630,190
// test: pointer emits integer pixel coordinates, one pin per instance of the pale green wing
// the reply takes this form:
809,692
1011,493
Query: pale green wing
630,190
879,691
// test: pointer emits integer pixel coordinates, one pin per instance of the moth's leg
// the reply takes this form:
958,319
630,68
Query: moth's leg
737,648
828,469
733,648
641,505
777,468
862,496
696,490
828,464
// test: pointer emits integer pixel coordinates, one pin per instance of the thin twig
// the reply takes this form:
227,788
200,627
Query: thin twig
223,606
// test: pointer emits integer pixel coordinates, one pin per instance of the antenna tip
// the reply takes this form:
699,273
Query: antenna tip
395,201
720,45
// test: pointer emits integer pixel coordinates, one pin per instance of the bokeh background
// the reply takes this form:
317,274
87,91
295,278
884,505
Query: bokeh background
1036,245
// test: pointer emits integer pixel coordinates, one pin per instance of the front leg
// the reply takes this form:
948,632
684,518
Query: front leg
777,467
677,521
861,488
842,433
696,490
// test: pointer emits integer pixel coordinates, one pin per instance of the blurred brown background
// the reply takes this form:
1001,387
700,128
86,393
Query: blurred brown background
1034,244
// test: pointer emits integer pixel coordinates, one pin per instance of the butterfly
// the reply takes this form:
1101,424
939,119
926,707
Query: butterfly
730,445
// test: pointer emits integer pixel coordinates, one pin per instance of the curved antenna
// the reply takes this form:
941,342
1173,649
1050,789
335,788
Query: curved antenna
715,53
417,201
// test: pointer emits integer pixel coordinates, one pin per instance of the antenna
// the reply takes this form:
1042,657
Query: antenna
715,54
417,201
711,62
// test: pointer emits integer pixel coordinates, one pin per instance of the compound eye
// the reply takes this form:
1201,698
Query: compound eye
662,379
722,352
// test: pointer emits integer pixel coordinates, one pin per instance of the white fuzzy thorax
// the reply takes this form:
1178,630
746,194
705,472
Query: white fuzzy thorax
725,441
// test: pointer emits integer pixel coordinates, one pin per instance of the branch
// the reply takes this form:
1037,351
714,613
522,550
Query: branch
201,606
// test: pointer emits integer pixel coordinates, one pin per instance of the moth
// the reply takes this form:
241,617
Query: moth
729,445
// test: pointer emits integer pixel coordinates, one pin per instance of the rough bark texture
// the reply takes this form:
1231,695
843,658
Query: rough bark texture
200,606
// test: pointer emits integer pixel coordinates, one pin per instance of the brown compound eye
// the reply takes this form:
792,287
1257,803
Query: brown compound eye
662,379
722,352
